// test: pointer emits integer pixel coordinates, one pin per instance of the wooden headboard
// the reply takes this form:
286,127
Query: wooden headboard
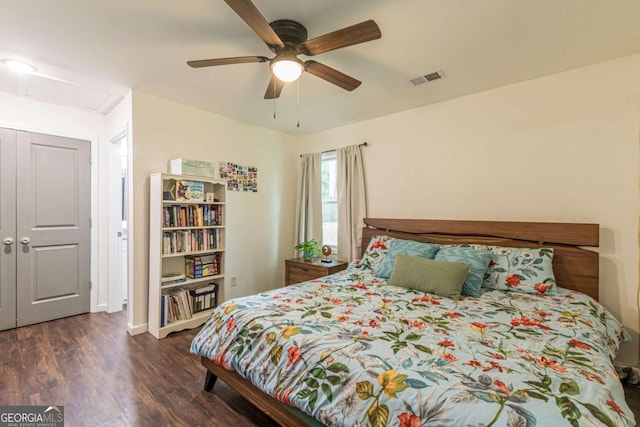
575,268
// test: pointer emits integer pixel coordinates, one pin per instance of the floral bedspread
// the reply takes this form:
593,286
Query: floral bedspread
350,350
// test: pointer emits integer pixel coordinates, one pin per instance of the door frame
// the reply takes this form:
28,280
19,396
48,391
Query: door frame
114,205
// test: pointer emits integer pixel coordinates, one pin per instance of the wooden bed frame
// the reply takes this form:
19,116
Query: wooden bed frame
575,268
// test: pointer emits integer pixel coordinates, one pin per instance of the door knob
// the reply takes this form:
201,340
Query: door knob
25,240
8,241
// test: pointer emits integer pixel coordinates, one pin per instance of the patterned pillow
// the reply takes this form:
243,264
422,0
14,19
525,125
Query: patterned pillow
375,253
523,270
478,262
405,247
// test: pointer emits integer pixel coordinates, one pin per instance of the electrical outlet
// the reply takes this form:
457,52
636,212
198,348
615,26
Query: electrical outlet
234,281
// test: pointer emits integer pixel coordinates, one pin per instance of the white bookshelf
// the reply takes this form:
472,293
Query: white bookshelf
170,243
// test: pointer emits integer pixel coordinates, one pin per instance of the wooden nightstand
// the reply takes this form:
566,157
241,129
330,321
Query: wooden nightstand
297,270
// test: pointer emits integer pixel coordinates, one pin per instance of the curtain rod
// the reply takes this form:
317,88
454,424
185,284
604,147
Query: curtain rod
364,144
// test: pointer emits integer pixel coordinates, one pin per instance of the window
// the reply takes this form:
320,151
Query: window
329,179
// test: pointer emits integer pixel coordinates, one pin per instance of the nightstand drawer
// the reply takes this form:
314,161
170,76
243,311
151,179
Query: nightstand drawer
298,278
304,270
297,270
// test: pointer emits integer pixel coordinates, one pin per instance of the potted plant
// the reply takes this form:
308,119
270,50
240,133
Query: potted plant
310,249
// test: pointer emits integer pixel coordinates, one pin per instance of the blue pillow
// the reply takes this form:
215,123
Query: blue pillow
478,262
405,247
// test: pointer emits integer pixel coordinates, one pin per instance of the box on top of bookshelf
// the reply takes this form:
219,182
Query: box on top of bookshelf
191,167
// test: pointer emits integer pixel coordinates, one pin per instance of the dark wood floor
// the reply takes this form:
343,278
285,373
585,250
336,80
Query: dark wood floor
104,377
632,394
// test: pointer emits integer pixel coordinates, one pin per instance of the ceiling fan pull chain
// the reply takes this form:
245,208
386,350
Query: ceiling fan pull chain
298,108
274,99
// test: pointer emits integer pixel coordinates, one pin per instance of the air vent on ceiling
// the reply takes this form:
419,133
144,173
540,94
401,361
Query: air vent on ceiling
436,75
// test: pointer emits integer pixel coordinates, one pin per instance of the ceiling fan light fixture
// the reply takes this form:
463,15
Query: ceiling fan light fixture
19,66
287,69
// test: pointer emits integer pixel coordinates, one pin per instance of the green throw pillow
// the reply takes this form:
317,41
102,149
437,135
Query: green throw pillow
435,277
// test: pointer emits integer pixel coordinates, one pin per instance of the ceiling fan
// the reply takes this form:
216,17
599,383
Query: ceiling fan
288,39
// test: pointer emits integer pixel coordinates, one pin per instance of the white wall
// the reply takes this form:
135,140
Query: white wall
259,232
559,148
35,116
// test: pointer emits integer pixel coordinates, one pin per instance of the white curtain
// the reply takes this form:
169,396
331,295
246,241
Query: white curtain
309,201
352,201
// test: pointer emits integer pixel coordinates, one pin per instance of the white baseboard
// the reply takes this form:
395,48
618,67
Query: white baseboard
137,329
99,308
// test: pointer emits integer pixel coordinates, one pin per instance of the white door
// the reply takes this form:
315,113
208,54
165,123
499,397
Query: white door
53,227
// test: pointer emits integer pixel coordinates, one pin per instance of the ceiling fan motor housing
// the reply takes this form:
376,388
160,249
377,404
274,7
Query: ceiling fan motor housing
291,32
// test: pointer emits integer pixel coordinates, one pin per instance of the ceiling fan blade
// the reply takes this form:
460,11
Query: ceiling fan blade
252,16
226,61
348,36
331,75
274,89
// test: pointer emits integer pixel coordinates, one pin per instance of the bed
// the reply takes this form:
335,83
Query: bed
351,349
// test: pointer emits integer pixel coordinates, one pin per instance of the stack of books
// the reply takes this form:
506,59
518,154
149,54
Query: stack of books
175,306
172,278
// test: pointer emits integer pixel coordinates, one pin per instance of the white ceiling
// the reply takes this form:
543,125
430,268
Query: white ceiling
101,48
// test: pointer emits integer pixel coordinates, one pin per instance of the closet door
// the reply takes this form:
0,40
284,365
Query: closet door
7,229
53,227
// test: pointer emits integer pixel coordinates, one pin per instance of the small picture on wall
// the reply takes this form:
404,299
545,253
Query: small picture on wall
239,177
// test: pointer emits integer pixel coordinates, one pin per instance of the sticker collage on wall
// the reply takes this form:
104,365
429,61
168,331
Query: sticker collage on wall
239,177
